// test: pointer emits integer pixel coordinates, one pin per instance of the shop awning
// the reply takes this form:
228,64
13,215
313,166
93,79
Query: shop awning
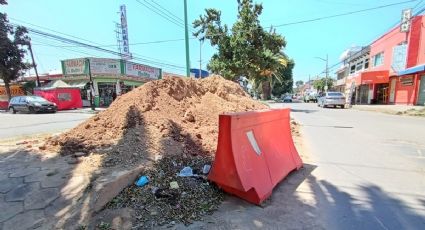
374,77
414,69
78,84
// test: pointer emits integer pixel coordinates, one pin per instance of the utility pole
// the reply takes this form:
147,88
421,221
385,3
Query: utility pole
33,64
327,73
186,37
91,86
200,58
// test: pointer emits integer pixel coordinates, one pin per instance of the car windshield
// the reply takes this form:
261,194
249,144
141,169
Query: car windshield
36,99
335,94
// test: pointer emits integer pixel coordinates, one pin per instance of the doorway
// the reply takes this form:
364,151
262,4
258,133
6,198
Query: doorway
382,93
392,90
421,94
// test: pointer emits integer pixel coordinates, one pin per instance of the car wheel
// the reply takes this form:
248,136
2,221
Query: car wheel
342,106
12,110
31,109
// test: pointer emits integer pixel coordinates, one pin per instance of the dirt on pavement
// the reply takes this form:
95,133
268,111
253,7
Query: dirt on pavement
172,116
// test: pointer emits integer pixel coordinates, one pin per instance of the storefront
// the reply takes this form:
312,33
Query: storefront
373,87
111,77
409,86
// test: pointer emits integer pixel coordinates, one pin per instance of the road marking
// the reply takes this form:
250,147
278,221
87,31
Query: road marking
380,223
14,154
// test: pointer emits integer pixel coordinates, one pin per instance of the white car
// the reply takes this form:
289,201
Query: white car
331,99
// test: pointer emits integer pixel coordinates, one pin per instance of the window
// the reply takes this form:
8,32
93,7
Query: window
352,69
378,59
22,100
335,94
366,63
359,66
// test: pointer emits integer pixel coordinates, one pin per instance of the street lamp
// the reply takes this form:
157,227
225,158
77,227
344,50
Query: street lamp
326,71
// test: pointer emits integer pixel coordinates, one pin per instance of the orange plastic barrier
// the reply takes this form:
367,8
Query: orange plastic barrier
255,151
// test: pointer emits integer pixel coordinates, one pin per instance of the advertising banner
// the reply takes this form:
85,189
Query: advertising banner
105,66
74,67
124,32
138,70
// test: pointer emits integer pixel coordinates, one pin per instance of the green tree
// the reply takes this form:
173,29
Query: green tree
299,83
320,83
12,52
282,83
244,50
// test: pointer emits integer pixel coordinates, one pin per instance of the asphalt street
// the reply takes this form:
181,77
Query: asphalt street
22,124
367,168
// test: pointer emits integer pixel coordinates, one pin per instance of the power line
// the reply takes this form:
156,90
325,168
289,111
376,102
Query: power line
340,62
70,41
158,12
178,18
133,44
342,14
55,31
164,13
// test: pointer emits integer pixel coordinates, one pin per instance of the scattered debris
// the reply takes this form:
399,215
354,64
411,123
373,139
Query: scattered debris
73,160
174,185
186,171
157,204
80,154
22,143
206,169
142,181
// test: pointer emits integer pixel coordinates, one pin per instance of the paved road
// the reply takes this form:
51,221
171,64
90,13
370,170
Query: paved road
15,125
368,168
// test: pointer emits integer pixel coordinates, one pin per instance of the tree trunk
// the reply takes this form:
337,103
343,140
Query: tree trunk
266,90
7,86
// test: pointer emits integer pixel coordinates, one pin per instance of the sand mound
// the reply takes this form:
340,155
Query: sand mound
169,116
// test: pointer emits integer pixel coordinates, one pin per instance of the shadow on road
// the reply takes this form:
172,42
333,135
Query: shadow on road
378,211
303,110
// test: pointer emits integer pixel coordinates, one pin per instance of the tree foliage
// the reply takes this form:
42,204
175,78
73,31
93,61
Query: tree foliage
320,84
283,82
12,52
244,50
299,83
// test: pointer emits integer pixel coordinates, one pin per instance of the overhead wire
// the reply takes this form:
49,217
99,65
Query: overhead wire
158,12
358,52
85,45
342,14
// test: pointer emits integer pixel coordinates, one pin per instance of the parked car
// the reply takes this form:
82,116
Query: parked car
333,99
32,104
310,98
287,98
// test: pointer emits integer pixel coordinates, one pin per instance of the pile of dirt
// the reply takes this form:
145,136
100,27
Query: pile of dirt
172,116
157,204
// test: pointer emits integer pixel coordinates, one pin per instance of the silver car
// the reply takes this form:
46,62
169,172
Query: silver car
331,99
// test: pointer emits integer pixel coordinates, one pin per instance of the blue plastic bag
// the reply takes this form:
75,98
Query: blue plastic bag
142,181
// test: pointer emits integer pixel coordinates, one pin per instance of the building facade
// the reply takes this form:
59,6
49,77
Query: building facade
390,71
111,77
394,69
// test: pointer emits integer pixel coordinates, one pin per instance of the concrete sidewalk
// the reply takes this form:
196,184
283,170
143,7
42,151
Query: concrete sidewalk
83,110
391,109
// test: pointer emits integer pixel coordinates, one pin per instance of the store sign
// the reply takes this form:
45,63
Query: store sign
105,66
406,15
408,80
138,70
399,57
124,32
74,67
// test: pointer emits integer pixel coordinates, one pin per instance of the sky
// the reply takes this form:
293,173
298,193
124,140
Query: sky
93,22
